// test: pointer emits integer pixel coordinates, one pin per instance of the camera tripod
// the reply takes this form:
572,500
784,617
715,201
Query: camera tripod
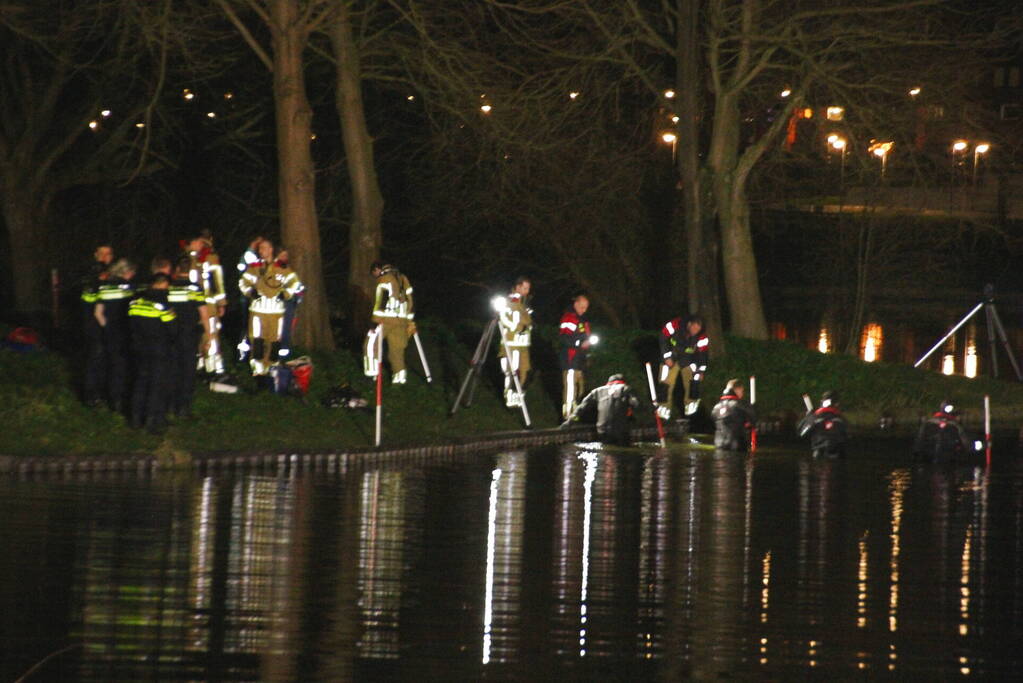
479,358
994,326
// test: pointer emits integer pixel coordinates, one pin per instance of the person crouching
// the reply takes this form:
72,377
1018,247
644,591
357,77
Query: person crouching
733,416
614,404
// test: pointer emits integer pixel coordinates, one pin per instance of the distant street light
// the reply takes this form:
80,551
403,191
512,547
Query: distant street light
958,147
669,94
841,146
786,92
977,151
671,139
881,150
486,108
572,95
914,91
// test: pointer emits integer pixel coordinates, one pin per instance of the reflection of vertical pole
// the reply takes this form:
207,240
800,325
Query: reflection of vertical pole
380,382
753,401
987,428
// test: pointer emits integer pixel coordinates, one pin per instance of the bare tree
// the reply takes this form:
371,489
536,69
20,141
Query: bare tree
79,89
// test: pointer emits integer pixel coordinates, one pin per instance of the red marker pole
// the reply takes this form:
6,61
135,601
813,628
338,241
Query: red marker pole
653,400
987,428
753,401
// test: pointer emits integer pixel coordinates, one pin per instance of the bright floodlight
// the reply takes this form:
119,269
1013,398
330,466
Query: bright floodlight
593,339
499,303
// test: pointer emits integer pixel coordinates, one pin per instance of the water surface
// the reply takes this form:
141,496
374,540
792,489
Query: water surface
574,562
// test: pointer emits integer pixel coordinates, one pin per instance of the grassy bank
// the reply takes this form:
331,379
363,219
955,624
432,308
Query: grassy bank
41,413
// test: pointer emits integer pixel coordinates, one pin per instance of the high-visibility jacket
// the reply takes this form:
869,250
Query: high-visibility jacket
207,272
185,297
392,299
268,286
683,348
115,294
573,332
516,322
152,323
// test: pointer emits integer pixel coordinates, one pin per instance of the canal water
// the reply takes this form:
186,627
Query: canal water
573,562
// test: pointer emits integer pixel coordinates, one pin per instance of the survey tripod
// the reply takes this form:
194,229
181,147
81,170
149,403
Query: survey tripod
994,326
479,359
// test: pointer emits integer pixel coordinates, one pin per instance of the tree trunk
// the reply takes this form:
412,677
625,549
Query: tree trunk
296,183
742,285
701,239
27,230
740,264
364,238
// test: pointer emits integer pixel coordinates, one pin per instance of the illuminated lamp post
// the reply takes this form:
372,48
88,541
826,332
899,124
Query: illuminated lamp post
671,139
881,150
958,147
840,145
982,148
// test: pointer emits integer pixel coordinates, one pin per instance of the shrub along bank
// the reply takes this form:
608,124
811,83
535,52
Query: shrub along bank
41,414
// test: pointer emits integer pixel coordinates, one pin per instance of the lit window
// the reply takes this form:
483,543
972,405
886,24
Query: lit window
870,342
836,113
824,341
948,364
970,362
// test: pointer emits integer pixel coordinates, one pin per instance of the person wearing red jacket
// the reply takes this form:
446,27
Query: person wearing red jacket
574,335
684,353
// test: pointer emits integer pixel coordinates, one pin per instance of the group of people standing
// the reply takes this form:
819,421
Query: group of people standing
146,341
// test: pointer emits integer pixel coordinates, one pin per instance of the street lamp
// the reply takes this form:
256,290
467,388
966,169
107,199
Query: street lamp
958,147
881,150
671,139
914,91
840,145
977,151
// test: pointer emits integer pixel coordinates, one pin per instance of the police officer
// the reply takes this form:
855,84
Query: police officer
826,427
186,299
733,416
268,285
574,335
684,353
393,317
111,312
614,404
152,331
515,320
95,375
941,438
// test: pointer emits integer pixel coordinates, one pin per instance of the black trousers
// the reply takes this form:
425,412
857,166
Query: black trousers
181,380
94,382
149,393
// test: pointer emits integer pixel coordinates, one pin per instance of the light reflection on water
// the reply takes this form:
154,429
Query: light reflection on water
574,561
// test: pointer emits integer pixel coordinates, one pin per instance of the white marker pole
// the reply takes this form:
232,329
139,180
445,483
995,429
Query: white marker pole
753,389
987,427
808,403
653,400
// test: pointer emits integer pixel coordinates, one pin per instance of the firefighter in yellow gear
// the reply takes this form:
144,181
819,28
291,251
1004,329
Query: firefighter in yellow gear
268,284
393,317
515,319
207,272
